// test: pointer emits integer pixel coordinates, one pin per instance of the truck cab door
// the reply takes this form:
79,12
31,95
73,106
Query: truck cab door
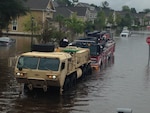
63,72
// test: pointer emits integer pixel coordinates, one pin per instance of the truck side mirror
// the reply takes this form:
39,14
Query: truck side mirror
12,62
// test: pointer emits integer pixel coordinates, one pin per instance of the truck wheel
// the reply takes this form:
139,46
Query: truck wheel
84,70
66,84
26,89
74,81
89,70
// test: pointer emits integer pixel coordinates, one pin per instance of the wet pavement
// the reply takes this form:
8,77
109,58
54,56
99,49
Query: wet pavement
123,84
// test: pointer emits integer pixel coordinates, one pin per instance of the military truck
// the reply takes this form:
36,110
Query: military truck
42,68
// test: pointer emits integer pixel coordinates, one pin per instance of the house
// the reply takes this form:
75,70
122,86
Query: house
109,13
92,12
68,12
39,12
147,19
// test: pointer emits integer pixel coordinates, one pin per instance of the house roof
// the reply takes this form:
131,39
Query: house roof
37,4
81,11
67,11
83,4
62,11
107,11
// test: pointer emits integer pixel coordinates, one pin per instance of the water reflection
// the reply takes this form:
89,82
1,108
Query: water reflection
8,85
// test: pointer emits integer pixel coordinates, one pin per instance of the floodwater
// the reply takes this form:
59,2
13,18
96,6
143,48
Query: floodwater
123,84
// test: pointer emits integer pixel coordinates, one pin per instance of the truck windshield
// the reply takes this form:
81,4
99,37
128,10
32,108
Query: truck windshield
93,51
27,62
40,63
49,64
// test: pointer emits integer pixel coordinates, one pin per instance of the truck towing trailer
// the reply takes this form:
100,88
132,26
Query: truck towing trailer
43,69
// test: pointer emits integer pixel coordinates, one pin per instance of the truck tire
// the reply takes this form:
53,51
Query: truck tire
89,69
66,84
74,79
26,89
84,72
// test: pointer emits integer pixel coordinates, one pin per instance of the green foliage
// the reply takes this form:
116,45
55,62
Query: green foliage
118,19
75,25
100,20
89,26
125,8
9,10
28,25
50,34
133,10
61,20
105,4
146,10
126,20
110,19
65,2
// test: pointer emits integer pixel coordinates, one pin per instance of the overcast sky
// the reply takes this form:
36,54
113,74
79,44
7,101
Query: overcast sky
139,5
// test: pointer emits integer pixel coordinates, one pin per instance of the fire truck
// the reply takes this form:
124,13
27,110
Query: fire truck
101,45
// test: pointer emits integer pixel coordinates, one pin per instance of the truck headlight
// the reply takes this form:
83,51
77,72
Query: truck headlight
18,74
52,76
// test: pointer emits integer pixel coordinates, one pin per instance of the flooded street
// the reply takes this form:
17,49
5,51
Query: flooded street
124,84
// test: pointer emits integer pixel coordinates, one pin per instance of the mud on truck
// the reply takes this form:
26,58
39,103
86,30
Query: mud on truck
42,68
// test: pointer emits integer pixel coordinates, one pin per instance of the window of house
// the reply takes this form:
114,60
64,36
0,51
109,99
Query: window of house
14,25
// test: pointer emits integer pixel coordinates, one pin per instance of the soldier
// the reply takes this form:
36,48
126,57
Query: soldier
64,42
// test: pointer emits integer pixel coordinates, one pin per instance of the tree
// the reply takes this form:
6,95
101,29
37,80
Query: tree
9,10
125,8
37,25
126,20
75,25
105,4
61,20
133,10
64,2
146,10
100,20
110,19
50,34
89,26
118,19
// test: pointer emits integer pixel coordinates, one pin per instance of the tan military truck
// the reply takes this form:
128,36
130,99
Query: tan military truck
40,69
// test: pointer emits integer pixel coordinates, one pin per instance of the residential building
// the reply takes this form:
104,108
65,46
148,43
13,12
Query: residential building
92,12
39,12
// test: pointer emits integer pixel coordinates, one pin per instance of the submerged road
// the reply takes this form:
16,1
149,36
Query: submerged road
123,84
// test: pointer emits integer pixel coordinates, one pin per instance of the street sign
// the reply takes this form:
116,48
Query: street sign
148,40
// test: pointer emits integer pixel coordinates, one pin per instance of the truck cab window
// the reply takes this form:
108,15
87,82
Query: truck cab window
27,62
62,65
49,64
